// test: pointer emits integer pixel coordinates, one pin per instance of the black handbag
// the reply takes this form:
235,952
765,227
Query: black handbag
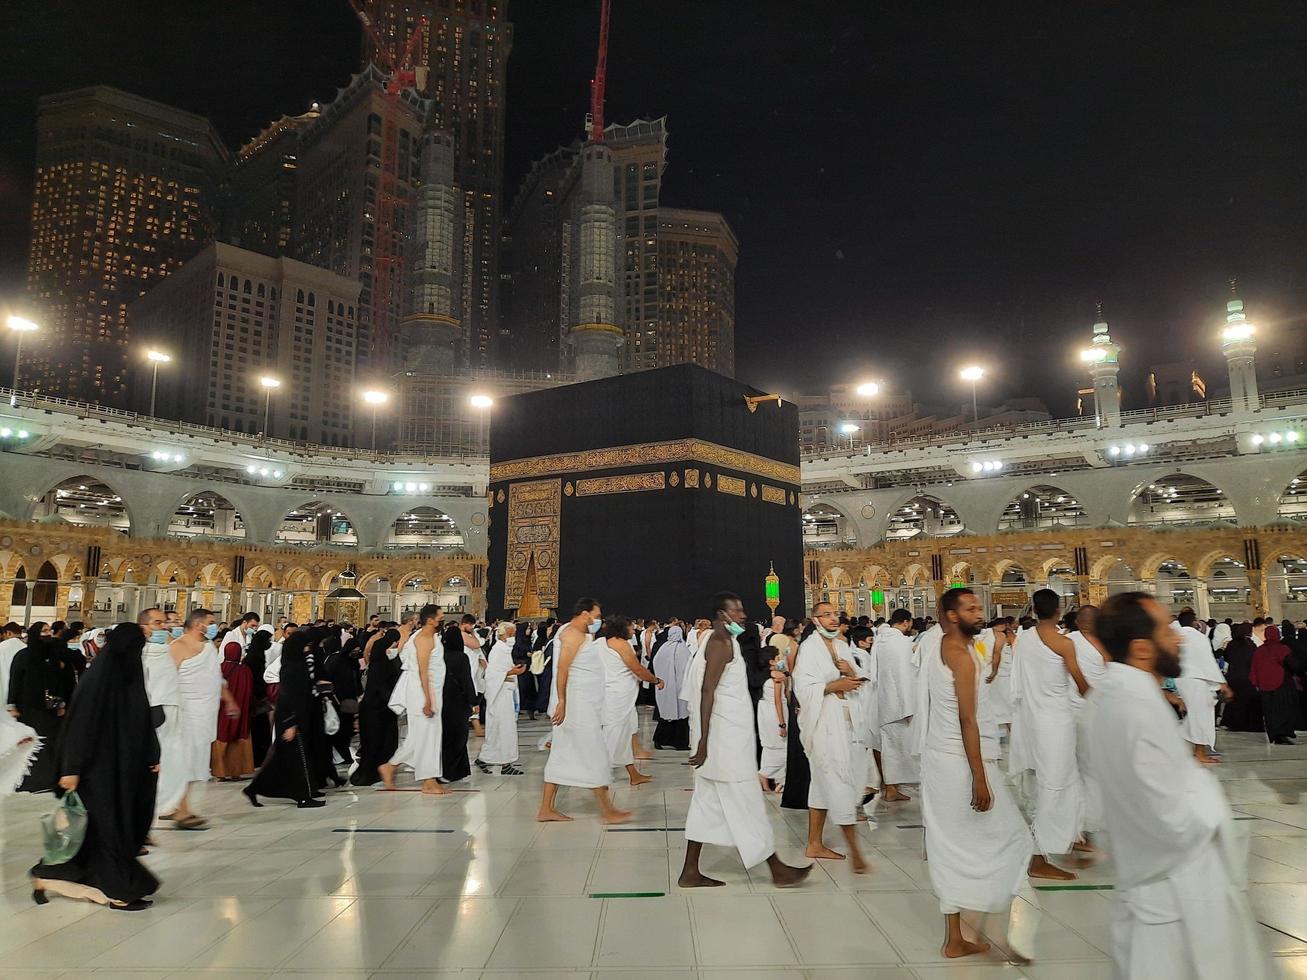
54,703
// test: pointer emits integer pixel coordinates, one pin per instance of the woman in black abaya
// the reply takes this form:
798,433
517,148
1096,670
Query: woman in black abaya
798,772
378,725
1243,713
256,659
286,773
455,708
110,756
40,689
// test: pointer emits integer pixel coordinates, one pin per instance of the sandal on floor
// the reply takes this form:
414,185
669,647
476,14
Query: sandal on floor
511,771
192,823
483,767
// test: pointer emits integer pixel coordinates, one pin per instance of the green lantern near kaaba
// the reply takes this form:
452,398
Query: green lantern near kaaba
878,597
772,589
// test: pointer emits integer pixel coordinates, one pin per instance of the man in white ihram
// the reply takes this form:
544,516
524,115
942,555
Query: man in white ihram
727,806
896,700
977,842
1181,905
1048,672
1200,683
823,680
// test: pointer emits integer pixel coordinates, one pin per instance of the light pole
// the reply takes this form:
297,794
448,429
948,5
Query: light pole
269,383
376,399
484,404
19,325
850,429
973,374
156,358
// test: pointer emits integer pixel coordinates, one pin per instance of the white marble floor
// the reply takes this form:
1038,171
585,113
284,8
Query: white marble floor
397,885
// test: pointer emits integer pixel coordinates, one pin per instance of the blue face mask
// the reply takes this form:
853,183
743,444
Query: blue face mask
159,636
176,632
211,631
735,629
594,627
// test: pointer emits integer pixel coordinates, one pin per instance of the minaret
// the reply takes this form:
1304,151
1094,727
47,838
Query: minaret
1239,344
595,336
429,333
1102,356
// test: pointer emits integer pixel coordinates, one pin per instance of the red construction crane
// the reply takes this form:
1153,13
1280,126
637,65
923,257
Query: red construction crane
594,120
401,74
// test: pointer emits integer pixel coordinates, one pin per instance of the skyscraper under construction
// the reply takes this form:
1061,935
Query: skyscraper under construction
461,69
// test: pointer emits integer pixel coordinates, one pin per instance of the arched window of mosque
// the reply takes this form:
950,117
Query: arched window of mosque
222,280
260,291
248,287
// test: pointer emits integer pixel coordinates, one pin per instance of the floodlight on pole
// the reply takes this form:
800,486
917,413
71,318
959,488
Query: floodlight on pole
483,403
376,399
973,373
19,325
269,383
155,357
868,389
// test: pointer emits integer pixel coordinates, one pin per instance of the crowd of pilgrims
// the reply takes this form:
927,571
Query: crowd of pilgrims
835,715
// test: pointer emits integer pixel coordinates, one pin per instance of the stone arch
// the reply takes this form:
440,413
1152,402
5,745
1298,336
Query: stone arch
1148,568
1040,506
1003,566
962,571
206,512
837,578
301,525
916,574
260,577
1203,567
214,574
1178,498
84,493
921,514
875,576
822,512
394,507
431,521
298,579
1292,505
1048,565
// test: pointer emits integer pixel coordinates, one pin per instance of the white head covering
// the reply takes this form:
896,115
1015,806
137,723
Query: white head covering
670,664
1221,636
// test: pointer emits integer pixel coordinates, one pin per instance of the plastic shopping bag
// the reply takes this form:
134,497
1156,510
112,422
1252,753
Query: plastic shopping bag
64,829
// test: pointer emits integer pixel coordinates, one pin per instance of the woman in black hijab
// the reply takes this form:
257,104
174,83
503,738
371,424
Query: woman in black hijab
110,756
286,773
455,707
256,659
40,689
342,669
1244,711
378,725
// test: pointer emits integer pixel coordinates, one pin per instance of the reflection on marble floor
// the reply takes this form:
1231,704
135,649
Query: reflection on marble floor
397,885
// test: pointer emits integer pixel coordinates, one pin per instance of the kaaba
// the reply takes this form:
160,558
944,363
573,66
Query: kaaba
650,492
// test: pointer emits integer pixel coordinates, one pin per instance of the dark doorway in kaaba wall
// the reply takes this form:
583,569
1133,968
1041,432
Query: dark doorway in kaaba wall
649,491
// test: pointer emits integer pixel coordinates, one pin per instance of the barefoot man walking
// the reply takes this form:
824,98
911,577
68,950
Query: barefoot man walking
977,842
727,806
578,755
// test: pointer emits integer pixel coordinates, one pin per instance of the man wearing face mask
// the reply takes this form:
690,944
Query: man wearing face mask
579,755
823,680
163,690
727,808
199,675
1182,906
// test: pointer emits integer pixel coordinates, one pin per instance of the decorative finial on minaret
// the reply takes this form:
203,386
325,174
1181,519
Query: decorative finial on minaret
1099,307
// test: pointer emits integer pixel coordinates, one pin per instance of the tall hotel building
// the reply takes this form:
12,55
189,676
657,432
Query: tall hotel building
231,316
126,191
465,64
676,290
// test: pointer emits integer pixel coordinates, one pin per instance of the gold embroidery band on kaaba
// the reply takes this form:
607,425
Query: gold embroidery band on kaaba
646,454
627,483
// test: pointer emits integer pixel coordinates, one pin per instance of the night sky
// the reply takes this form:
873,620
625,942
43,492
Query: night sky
914,184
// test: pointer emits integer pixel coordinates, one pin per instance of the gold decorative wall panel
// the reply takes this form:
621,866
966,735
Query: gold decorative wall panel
534,515
773,495
730,484
692,479
626,483
646,454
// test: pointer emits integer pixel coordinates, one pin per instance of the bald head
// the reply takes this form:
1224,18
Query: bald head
778,624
